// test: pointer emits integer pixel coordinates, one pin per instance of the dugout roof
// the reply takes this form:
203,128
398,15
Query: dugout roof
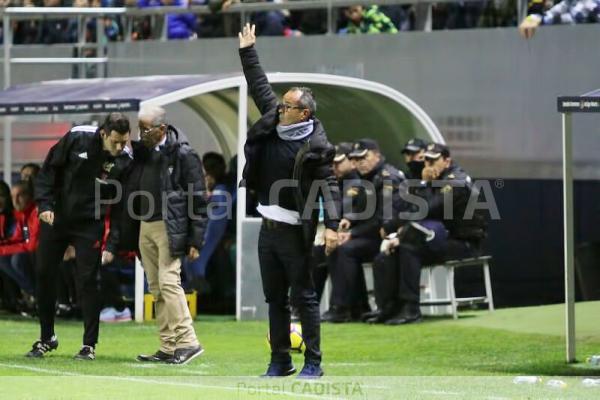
350,108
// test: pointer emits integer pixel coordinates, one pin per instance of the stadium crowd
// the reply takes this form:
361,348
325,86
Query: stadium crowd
351,20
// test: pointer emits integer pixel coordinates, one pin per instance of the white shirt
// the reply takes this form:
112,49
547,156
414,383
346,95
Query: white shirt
161,143
279,214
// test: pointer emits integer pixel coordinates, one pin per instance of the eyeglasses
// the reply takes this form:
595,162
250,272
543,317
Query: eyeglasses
145,131
286,107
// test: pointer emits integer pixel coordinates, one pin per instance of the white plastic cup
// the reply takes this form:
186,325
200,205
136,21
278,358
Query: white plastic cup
588,382
556,383
594,360
527,380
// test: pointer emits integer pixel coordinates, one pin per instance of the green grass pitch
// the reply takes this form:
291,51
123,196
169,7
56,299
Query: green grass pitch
477,356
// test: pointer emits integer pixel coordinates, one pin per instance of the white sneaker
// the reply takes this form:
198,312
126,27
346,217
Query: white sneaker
108,314
123,316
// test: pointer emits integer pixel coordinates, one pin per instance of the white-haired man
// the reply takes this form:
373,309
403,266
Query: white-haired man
165,187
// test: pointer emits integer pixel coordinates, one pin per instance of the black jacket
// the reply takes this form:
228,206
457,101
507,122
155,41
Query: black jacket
455,181
313,162
353,195
388,184
182,179
74,169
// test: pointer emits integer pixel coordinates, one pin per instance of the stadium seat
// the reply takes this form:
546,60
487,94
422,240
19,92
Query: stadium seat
149,314
452,300
427,276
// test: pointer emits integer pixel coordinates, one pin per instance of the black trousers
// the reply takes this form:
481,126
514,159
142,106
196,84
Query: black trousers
320,270
87,240
398,276
286,273
349,289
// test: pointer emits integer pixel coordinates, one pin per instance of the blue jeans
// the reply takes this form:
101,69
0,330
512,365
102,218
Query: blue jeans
17,267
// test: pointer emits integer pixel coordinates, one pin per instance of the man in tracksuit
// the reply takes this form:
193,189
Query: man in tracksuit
287,149
72,191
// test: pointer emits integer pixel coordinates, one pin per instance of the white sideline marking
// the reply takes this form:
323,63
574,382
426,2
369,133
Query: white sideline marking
36,369
441,393
146,380
350,364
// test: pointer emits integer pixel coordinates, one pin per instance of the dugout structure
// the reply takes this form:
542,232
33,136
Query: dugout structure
350,108
567,106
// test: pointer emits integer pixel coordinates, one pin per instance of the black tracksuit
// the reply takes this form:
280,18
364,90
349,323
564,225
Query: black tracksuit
284,250
74,176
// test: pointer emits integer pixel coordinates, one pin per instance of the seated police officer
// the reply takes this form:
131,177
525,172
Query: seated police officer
349,185
359,242
414,157
435,237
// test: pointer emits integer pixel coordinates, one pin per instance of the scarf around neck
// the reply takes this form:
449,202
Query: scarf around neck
295,131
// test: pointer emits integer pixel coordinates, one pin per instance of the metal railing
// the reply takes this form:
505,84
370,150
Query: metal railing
159,15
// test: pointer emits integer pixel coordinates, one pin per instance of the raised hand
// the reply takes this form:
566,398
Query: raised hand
247,36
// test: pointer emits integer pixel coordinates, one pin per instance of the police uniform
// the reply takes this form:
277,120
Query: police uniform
435,238
380,186
414,167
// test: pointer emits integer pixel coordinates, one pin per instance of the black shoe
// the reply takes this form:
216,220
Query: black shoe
357,313
279,369
410,313
87,353
311,371
368,315
40,348
378,319
382,316
336,315
159,356
185,355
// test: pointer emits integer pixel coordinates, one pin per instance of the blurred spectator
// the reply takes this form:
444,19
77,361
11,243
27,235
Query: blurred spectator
16,255
270,23
54,30
179,26
463,15
29,171
499,13
565,12
214,263
25,32
309,22
371,20
10,290
7,220
218,24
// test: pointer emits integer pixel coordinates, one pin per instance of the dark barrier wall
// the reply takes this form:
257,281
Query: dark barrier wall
527,242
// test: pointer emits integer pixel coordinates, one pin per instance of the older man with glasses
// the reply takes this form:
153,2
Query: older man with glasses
165,188
287,155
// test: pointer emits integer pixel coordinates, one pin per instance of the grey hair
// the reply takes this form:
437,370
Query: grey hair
307,99
156,115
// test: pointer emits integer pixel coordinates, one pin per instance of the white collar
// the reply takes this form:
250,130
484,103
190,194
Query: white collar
162,143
